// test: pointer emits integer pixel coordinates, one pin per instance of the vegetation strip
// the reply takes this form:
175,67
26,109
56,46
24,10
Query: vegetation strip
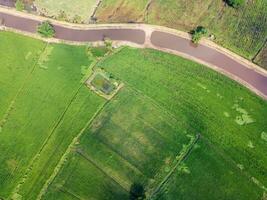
184,154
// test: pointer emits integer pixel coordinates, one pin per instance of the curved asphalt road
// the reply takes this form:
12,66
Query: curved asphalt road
252,79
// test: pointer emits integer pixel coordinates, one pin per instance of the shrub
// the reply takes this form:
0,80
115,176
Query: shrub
62,16
77,19
19,5
45,29
198,33
137,192
235,3
108,43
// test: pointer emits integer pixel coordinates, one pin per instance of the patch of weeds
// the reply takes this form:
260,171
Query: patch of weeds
183,168
250,145
29,54
84,70
44,58
240,166
244,117
264,136
226,114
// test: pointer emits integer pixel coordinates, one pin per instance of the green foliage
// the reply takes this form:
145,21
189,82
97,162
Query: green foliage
19,5
77,19
108,43
45,29
235,3
62,15
198,33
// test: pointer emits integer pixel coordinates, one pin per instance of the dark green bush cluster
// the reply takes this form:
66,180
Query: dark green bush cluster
235,3
198,33
137,192
45,29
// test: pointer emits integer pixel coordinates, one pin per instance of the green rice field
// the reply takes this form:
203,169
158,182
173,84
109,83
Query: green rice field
177,128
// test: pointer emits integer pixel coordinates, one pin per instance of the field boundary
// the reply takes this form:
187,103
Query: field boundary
182,157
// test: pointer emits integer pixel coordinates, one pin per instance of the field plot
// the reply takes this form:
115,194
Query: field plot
208,103
208,175
67,10
121,11
16,65
40,111
242,30
132,140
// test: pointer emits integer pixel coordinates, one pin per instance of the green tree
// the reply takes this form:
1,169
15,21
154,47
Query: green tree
198,33
45,29
235,3
137,192
19,5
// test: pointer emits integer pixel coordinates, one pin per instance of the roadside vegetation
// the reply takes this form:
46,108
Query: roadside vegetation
46,29
173,126
198,33
19,5
235,3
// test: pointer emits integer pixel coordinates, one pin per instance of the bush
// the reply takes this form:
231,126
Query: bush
19,5
45,29
198,33
77,19
137,192
235,3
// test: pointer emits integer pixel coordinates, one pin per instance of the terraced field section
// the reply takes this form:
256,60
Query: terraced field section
45,106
